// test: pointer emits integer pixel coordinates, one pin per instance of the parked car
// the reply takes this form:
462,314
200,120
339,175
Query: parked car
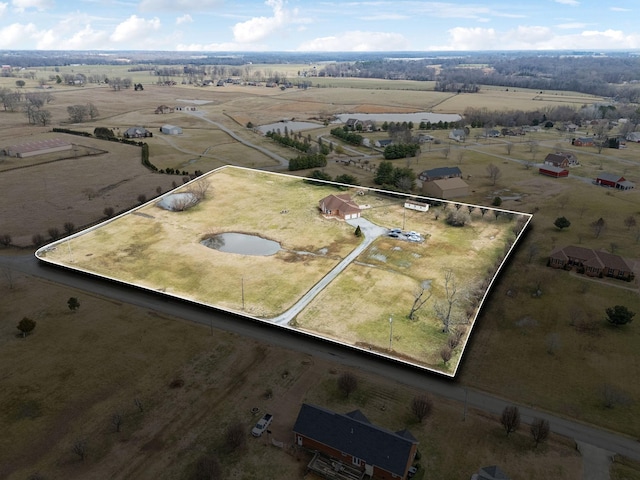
412,471
262,425
393,234
395,230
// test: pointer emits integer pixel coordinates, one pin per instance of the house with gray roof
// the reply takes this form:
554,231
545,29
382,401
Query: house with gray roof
439,173
350,443
614,180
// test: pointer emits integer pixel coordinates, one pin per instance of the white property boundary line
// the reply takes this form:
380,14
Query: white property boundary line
41,256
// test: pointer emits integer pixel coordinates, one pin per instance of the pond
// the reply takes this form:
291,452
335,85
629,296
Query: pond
402,117
242,244
292,126
178,201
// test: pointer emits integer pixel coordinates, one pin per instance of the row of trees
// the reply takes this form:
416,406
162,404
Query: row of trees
289,141
346,135
313,160
401,150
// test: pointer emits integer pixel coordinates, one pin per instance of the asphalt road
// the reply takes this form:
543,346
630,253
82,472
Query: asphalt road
286,338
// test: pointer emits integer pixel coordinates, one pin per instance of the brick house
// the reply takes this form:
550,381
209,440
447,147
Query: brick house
350,443
591,262
340,206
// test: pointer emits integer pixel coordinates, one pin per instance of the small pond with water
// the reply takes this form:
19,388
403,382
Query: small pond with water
242,244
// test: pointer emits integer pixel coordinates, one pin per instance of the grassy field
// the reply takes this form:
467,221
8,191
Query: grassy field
161,250
90,366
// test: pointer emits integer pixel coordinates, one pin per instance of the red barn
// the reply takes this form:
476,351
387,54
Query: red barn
552,171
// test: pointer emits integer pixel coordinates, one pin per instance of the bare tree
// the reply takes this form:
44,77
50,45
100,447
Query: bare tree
510,419
207,468
142,198
235,436
347,383
420,298
80,448
5,240
116,421
445,354
540,430
108,211
421,406
54,233
494,173
444,309
8,275
138,403
508,147
69,227
598,227
200,189
630,222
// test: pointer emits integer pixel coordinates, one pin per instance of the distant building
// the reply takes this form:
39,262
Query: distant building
439,173
552,171
592,263
446,188
137,132
457,135
171,130
614,181
38,147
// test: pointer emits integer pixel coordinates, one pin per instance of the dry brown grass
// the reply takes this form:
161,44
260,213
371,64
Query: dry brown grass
161,250
98,360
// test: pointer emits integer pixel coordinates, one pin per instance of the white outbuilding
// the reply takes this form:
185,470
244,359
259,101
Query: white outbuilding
170,130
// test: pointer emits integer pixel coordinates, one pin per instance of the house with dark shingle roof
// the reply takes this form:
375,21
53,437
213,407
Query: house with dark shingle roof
439,173
341,206
351,442
592,263
137,132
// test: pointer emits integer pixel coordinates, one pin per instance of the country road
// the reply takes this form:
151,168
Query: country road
285,337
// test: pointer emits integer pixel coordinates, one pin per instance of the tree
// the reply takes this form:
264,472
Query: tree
235,436
77,113
444,309
445,354
69,227
20,83
358,232
497,201
347,383
419,299
562,222
108,211
5,240
80,448
116,421
26,326
207,468
421,406
384,173
619,315
73,304
494,173
598,227
539,430
142,198
510,419
630,222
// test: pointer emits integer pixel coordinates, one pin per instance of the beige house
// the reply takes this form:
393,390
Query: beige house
446,188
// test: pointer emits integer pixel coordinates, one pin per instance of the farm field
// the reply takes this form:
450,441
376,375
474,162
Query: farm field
162,250
555,351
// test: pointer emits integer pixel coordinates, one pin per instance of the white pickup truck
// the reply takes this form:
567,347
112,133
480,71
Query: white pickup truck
262,425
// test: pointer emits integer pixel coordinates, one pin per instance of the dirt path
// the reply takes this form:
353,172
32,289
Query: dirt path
596,462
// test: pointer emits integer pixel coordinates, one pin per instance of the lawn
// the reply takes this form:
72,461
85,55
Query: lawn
161,250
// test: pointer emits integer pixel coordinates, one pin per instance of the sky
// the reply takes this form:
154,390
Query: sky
319,25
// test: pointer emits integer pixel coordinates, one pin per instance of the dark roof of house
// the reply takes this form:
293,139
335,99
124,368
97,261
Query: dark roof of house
136,130
592,258
353,434
555,159
492,473
441,172
385,142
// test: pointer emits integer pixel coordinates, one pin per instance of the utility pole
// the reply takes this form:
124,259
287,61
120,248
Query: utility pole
390,332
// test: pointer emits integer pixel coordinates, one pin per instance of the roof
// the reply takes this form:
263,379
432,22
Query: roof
136,130
450,183
353,434
441,172
553,168
592,258
39,145
492,473
556,158
611,177
342,202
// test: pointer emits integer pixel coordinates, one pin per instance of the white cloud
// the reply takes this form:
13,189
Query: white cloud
184,19
14,35
385,17
535,38
258,28
357,41
179,5
619,9
3,8
573,3
219,47
135,29
22,5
